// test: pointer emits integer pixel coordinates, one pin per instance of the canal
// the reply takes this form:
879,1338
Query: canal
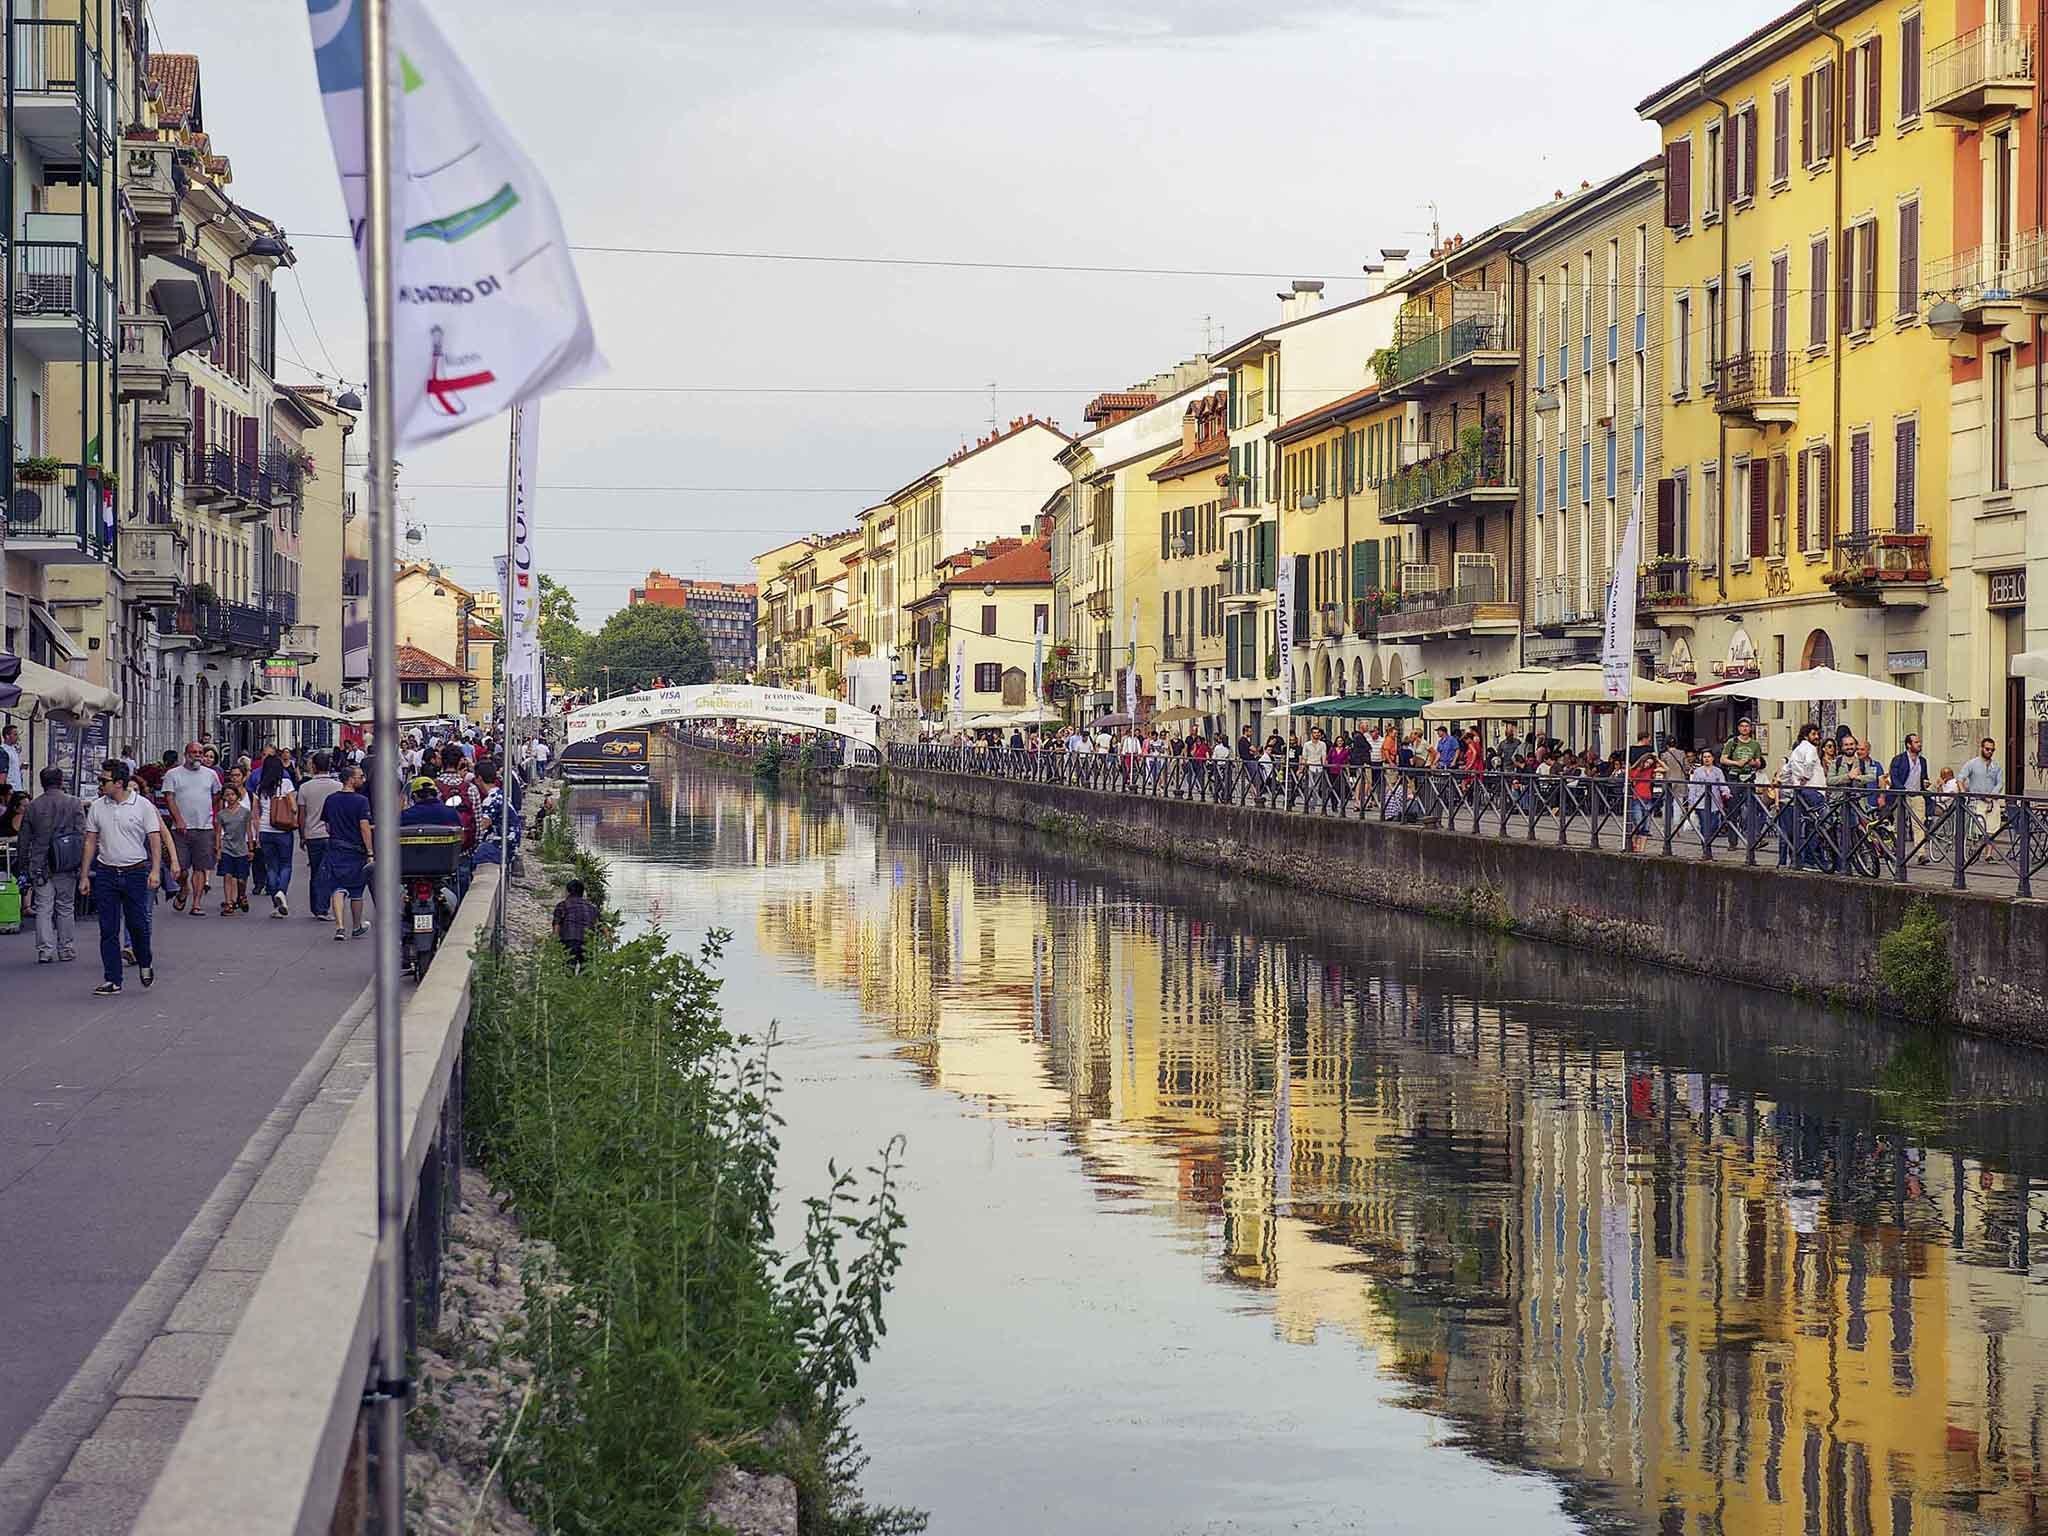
1232,1210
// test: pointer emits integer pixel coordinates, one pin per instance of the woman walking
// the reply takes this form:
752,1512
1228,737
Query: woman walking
277,819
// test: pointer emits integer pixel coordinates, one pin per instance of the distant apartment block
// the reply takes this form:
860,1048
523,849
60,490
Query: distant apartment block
724,609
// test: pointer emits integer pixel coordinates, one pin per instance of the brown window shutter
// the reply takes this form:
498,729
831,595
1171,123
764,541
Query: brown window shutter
1909,258
1905,466
1806,124
1873,87
1866,315
1845,300
1667,516
1749,152
1759,508
1728,160
1803,457
1859,483
1823,495
1677,185
198,423
1824,140
1781,135
1817,297
1849,96
249,453
1909,66
217,352
1781,485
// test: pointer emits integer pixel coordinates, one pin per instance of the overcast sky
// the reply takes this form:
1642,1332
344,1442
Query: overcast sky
1208,134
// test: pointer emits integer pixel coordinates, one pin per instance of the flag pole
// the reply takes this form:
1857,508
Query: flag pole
507,626
391,1390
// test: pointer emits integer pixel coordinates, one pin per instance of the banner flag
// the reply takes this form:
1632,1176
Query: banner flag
489,311
1618,643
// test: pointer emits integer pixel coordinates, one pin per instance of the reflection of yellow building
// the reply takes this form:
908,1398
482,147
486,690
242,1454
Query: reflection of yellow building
1696,1310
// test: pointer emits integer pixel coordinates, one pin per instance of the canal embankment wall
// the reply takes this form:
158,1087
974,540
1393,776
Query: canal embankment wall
1811,935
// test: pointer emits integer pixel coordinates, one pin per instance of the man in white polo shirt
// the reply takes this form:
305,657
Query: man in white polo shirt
123,855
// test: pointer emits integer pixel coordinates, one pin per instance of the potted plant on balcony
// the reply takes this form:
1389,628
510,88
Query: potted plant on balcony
300,459
1386,364
37,469
201,594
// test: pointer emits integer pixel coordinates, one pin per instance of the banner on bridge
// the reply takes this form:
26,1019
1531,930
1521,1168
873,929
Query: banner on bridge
724,701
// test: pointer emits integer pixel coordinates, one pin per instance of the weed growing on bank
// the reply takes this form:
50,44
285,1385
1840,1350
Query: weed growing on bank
641,1140
1913,964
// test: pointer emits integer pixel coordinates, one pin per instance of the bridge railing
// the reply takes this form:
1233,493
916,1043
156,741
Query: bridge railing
1993,844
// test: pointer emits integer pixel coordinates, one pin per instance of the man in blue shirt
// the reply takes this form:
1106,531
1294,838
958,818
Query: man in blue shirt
427,808
350,847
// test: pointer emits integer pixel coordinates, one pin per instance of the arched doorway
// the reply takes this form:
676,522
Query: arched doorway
1820,652
1379,676
1396,678
1322,674
1357,675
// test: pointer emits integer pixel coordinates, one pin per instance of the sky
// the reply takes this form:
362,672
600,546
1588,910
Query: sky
750,400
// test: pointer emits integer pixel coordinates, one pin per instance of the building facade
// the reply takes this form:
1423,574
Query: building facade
1191,490
724,611
1801,517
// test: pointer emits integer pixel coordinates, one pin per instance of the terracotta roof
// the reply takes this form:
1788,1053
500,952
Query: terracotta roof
418,666
478,630
1027,565
176,78
1122,400
1201,456
1326,415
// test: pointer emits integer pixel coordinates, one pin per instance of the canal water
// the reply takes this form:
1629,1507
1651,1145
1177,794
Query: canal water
1233,1210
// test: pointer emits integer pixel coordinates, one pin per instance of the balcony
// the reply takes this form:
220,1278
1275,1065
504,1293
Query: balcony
1664,589
167,419
284,606
63,304
1177,648
1558,604
1757,389
1367,612
216,479
152,561
1330,623
1475,341
1451,480
63,104
1998,287
1475,609
56,514
1100,603
282,480
236,626
153,186
301,642
1982,73
1883,570
145,357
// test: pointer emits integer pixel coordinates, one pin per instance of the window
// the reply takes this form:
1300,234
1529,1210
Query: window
1909,260
1909,68
412,693
1681,344
988,677
1863,103
1905,476
1781,135
1714,169
1781,472
1740,534
988,619
1859,483
2000,408
1710,518
1816,504
1859,276
1817,116
1817,296
1713,328
1742,156
1745,304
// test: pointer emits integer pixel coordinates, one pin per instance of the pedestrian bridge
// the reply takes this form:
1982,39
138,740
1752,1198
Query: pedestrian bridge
724,701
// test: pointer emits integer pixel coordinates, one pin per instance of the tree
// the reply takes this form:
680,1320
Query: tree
641,643
561,642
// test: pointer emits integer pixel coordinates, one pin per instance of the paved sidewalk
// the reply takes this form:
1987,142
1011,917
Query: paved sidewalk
120,1116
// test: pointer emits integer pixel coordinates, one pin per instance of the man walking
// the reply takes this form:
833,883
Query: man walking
1983,781
313,831
190,793
348,847
10,758
52,850
1907,775
122,855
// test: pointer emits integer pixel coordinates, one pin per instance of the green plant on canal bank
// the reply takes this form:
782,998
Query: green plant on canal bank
632,1132
1914,966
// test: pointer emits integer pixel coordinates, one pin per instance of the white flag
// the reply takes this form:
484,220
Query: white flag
523,601
957,704
1283,618
1131,670
1618,644
487,303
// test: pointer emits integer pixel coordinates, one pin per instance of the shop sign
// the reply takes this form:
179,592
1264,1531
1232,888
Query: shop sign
1741,662
2008,588
1905,661
1678,665
280,666
1425,687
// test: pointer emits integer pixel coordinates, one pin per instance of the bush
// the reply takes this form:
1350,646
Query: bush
1913,964
769,764
640,1139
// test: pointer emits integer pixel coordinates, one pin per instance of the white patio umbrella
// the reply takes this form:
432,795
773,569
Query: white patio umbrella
1583,683
2030,664
1284,710
1819,685
283,706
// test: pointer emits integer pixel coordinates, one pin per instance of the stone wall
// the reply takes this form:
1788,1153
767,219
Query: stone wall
1808,934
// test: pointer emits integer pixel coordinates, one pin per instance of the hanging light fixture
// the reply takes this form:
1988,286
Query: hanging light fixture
1946,319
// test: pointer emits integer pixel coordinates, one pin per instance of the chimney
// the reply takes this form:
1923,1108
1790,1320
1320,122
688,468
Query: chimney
1304,296
1395,261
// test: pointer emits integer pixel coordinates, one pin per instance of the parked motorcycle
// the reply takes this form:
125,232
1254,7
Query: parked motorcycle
428,858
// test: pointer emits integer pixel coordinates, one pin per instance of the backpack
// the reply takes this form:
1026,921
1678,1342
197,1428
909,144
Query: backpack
67,853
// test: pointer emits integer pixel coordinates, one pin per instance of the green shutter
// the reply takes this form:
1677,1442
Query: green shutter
1230,645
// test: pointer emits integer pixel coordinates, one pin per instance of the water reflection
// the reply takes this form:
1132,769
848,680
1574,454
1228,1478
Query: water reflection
1711,1260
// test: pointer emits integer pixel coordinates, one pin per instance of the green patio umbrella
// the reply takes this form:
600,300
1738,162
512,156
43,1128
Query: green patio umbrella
1367,706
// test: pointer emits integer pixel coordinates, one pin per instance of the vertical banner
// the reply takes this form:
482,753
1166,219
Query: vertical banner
1618,641
522,603
956,693
1131,669
1038,664
489,311
1283,616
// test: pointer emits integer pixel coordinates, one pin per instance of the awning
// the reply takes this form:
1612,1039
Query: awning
179,288
59,640
42,686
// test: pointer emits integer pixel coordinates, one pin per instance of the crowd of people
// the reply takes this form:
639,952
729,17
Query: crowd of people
1402,771
166,830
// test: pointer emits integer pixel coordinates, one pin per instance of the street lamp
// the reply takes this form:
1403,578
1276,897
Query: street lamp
1946,319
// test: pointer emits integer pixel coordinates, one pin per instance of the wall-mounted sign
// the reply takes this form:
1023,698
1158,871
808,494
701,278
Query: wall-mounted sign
1741,662
1905,661
2008,589
280,666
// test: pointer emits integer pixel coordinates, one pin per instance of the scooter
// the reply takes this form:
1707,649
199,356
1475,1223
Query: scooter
427,861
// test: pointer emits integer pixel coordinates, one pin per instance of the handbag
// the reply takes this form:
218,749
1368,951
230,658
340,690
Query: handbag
284,812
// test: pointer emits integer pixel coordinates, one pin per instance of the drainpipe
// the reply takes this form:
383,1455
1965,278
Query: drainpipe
2040,211
1721,476
1839,148
1518,527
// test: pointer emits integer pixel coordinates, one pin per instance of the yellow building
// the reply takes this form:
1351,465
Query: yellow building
1801,519
1190,492
1347,563
985,612
435,615
815,628
774,637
